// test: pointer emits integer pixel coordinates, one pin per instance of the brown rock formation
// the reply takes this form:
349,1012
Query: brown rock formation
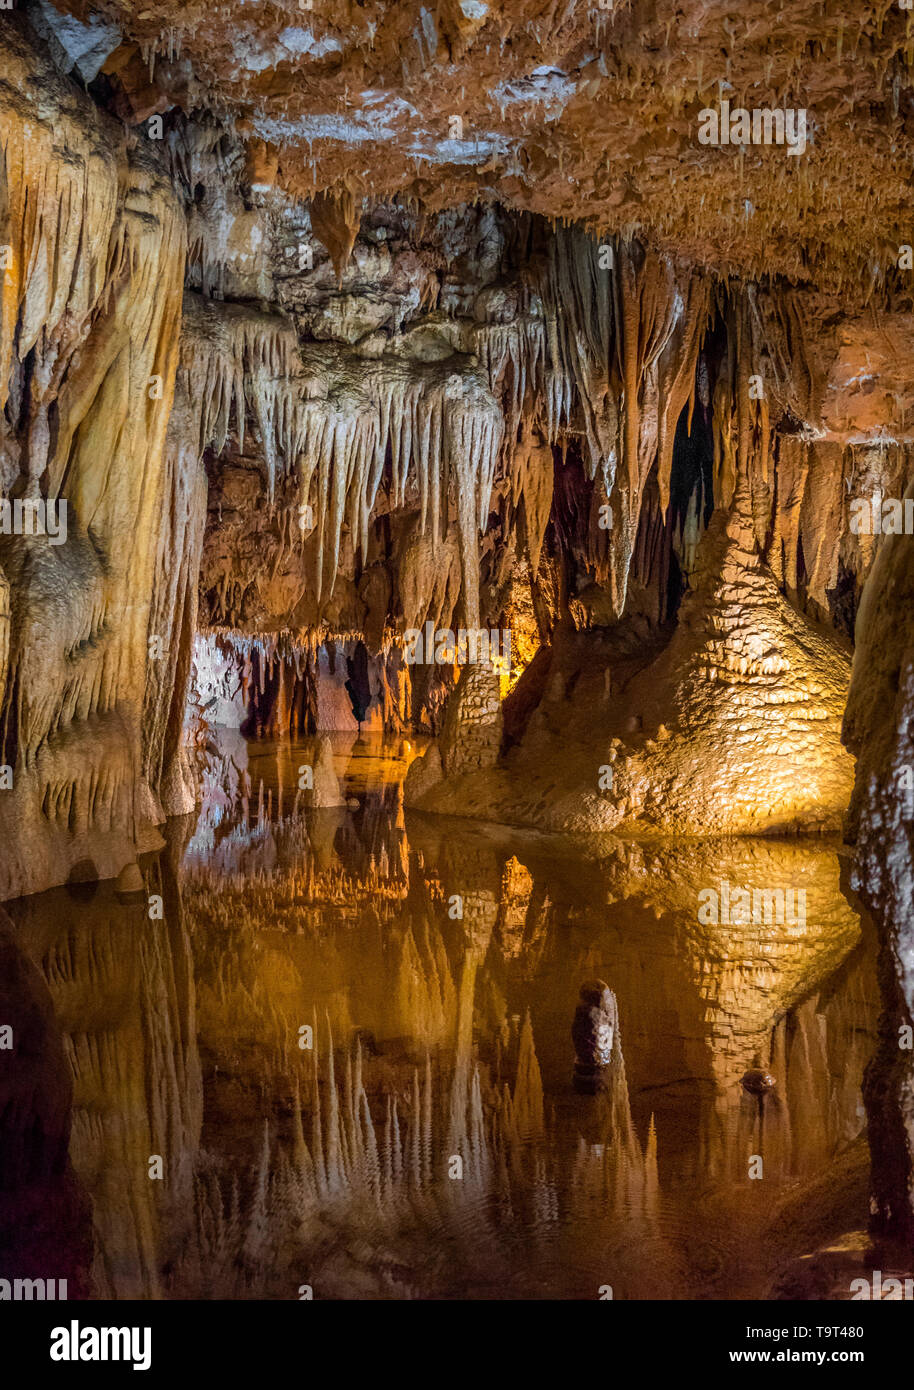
575,111
321,332
87,362
734,728
878,729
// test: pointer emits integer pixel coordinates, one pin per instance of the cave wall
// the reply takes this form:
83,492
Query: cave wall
88,352
878,729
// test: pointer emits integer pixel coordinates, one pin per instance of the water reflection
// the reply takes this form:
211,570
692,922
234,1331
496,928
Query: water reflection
348,1041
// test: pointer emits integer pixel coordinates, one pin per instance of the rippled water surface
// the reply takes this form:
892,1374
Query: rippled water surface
353,1088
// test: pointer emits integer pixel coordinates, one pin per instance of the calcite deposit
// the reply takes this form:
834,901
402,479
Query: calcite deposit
92,312
390,370
722,731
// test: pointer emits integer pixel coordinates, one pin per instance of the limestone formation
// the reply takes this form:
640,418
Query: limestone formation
518,396
593,1032
723,731
878,728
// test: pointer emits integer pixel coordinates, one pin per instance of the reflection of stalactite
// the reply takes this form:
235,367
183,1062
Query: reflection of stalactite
137,1079
527,1106
816,1053
45,1214
347,1183
174,1085
377,1166
465,1134
423,997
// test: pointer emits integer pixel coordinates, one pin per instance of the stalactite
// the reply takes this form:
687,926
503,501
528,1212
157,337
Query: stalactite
173,618
335,221
319,419
623,329
91,301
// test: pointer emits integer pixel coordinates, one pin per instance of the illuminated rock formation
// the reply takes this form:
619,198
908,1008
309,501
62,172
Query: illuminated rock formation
595,1026
91,315
322,330
735,727
527,102
359,431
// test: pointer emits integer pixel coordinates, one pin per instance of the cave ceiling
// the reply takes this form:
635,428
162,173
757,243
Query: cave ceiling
572,110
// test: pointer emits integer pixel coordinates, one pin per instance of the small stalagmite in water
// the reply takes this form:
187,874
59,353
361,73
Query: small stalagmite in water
592,1032
757,1080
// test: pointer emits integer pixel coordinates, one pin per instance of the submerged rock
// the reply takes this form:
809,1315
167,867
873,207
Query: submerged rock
757,1081
593,1033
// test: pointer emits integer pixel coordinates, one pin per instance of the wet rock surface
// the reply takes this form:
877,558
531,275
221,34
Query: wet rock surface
333,343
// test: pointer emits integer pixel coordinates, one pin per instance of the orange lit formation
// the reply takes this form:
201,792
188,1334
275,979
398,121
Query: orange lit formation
584,332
